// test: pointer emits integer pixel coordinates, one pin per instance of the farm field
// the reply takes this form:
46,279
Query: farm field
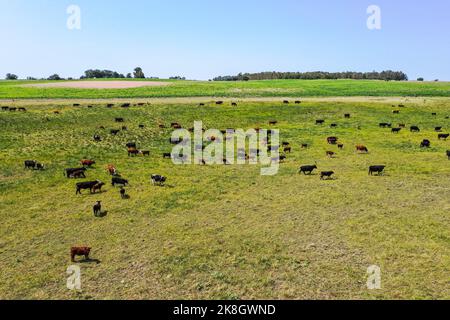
226,232
268,88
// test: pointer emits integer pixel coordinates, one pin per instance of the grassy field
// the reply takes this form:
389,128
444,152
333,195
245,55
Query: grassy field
225,232
270,88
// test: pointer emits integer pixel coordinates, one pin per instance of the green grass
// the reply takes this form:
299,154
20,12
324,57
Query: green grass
270,88
225,232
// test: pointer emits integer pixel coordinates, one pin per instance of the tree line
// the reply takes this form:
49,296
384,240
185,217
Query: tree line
387,75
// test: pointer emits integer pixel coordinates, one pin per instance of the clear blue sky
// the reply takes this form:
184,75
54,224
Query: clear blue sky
201,39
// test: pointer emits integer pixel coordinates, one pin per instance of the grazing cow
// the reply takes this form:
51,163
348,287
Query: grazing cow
307,169
448,154
39,166
119,181
133,152
22,109
332,140
333,125
13,109
70,171
415,129
330,154
402,125
425,143
396,130
141,126
287,149
401,105
124,128
298,102
285,143
111,169
131,145
79,251
326,174
201,104
141,104
361,148
385,125
114,132
320,121
90,107
87,163
158,180
91,185
126,105
234,104
438,129
219,103
167,155
396,112
347,115
5,108
145,153
110,105
97,208
120,120
76,104
273,122
30,164
376,169
304,146
341,146
97,138
443,136
434,114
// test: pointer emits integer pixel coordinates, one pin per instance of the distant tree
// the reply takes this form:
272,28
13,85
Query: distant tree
10,76
138,73
420,79
101,74
54,77
129,76
177,78
31,78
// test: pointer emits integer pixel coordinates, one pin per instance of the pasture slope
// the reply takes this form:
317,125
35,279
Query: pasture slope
250,89
225,232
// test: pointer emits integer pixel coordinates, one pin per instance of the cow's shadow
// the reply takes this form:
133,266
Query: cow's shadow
102,214
86,261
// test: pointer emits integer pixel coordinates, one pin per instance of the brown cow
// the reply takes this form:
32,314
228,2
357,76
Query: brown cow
87,163
361,148
330,154
133,152
111,169
79,251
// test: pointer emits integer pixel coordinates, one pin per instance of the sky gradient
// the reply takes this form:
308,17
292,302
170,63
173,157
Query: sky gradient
201,39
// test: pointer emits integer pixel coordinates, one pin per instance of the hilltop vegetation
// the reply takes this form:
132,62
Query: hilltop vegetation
225,232
241,89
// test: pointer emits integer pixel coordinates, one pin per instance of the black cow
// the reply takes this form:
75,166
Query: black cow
298,102
141,126
13,109
438,129
376,169
167,155
89,185
22,109
119,181
396,130
333,125
326,174
219,103
425,143
97,208
110,105
131,145
30,164
415,129
434,114
385,125
126,105
307,169
70,171
120,120
97,138
234,104
347,115
5,108
158,180
396,112
448,154
286,101
114,132
320,121
39,166
443,136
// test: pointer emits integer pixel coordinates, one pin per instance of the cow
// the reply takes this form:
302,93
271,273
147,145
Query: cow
80,251
119,181
414,129
120,120
97,138
425,143
110,105
30,164
78,174
114,132
401,105
396,112
39,166
167,155
287,149
320,121
87,163
111,169
13,109
234,104
438,129
5,108
443,136
448,154
402,125
219,103
307,169
333,125
332,140
70,171
131,145
91,185
201,105
140,104
133,152
124,128
347,116
361,148
298,102
304,146
56,112
126,105
341,146
141,126
330,154
145,153
123,193
273,122
22,109
90,107
285,143
158,180
385,125
326,174
76,104
434,114
97,208
396,130
376,169
285,101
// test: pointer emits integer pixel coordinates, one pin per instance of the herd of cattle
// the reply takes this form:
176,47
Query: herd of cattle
159,180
